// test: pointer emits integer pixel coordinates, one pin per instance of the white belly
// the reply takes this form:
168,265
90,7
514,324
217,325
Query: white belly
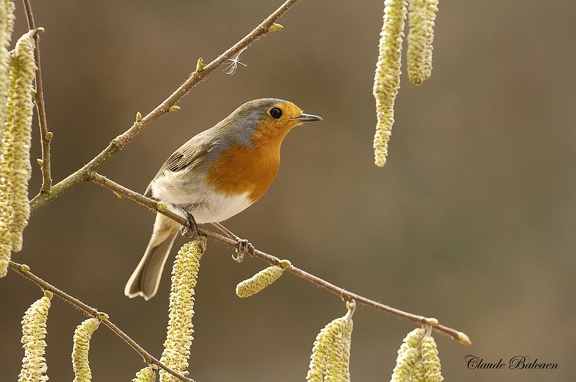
219,208
202,202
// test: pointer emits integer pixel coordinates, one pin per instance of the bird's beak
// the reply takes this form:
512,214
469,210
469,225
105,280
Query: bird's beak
307,118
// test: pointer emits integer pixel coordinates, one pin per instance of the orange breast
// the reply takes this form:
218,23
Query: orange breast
242,170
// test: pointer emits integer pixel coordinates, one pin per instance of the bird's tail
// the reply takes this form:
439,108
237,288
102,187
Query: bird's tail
146,278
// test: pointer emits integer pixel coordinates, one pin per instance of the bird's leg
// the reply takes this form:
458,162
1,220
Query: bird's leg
190,230
243,246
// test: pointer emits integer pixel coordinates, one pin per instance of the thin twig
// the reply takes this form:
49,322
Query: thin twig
342,293
123,139
45,138
24,271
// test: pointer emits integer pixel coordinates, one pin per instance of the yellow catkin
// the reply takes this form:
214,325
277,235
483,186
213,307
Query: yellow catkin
408,356
431,360
387,75
418,372
5,236
181,309
147,374
259,281
19,126
80,349
421,19
5,202
33,333
7,23
330,360
418,359
6,26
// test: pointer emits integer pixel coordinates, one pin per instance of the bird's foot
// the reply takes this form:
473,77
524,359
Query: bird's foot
243,247
190,230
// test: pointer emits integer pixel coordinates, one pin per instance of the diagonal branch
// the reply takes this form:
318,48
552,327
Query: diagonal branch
24,271
342,293
123,139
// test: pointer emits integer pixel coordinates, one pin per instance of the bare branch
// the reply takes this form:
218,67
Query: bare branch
342,293
24,271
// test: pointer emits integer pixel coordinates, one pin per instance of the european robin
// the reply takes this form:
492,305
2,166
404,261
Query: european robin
215,175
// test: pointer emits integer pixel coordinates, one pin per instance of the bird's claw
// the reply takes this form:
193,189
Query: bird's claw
243,247
190,230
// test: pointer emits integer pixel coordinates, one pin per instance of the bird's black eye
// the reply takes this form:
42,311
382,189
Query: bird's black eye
275,113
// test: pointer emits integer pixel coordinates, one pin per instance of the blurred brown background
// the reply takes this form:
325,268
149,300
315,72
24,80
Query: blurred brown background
471,220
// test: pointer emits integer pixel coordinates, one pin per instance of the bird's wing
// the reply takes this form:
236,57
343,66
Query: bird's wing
186,158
